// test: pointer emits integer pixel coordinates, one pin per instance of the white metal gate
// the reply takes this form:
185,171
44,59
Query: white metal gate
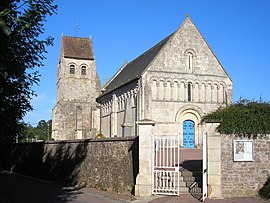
165,166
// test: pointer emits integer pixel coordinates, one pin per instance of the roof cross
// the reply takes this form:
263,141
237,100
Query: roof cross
77,27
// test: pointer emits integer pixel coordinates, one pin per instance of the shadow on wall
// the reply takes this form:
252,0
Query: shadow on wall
55,162
107,164
63,162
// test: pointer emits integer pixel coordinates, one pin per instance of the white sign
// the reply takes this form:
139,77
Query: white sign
243,150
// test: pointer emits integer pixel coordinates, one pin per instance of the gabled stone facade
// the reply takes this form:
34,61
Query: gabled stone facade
178,80
75,115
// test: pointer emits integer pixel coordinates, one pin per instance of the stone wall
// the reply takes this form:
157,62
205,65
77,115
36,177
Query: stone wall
244,178
108,164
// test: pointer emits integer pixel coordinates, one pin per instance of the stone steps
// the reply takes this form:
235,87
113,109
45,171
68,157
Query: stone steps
193,181
188,182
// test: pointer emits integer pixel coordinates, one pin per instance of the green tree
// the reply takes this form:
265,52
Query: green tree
41,132
42,128
22,49
28,133
49,122
245,118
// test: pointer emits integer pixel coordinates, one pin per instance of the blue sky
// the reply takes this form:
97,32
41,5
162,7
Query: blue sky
238,31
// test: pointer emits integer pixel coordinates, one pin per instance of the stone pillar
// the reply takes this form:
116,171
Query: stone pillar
128,118
214,160
114,116
143,185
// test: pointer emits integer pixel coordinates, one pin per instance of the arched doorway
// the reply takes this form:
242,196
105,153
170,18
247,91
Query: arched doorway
188,134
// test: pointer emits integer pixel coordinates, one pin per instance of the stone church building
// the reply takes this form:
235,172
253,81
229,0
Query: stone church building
175,83
75,115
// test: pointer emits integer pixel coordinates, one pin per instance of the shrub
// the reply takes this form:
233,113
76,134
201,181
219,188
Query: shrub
245,118
100,135
264,192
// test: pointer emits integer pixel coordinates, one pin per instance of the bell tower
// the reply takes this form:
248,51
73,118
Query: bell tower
75,115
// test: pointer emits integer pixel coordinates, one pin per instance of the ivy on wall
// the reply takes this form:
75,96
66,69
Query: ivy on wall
245,118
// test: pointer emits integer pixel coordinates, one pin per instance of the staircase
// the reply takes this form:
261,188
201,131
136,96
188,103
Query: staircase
190,182
193,180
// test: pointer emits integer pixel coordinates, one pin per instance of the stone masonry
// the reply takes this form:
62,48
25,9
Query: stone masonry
106,164
247,177
178,79
75,115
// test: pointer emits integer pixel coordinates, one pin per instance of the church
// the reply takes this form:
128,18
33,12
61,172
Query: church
174,83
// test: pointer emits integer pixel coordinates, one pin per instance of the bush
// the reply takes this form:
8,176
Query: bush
245,118
100,135
264,192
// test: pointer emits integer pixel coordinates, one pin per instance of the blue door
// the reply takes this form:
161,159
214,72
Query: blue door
188,134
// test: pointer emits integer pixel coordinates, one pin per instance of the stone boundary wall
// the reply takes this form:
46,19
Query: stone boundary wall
244,178
107,164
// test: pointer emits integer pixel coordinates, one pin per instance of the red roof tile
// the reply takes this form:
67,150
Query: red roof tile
79,48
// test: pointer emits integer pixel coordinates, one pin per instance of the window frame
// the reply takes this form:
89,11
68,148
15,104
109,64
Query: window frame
72,69
190,56
189,93
83,70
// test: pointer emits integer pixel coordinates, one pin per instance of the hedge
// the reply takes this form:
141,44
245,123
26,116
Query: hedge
244,118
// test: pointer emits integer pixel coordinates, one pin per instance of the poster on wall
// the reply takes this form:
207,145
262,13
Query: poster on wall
243,150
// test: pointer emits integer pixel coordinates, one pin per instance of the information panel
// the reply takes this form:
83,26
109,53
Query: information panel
243,150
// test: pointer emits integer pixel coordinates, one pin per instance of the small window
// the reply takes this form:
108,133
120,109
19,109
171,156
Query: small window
83,70
72,69
189,92
190,60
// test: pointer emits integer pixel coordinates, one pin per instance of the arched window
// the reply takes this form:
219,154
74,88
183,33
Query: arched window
189,92
190,56
72,69
190,60
83,70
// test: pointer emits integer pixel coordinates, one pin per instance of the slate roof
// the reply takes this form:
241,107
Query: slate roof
78,48
135,68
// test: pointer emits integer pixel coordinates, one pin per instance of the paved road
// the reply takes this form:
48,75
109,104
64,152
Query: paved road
20,189
190,199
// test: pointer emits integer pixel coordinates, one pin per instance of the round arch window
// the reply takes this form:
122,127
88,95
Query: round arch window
83,70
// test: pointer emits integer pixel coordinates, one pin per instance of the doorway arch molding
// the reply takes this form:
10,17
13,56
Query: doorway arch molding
193,113
192,109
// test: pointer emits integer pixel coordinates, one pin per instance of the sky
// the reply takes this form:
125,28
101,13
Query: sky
238,32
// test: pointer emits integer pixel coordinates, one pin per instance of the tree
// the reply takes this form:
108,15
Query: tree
42,128
41,132
49,122
28,133
21,50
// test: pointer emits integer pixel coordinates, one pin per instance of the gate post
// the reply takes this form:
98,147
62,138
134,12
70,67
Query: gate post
143,185
214,160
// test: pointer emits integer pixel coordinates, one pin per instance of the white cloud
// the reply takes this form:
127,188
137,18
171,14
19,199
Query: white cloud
39,98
